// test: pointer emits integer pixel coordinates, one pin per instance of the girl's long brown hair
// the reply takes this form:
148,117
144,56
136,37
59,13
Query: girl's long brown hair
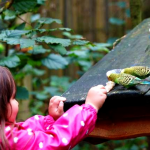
7,91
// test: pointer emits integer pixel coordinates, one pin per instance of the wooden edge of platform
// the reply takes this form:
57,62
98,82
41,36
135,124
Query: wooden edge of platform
122,123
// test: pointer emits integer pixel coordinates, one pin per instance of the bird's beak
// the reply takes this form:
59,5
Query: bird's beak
122,71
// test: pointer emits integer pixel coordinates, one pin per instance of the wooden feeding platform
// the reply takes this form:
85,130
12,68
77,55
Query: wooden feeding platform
126,112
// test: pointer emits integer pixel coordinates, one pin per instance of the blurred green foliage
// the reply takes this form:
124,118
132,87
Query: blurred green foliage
139,143
30,48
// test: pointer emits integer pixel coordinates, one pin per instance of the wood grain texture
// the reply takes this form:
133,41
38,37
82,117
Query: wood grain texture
123,123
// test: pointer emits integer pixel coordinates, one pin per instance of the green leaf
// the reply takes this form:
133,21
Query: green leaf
38,49
53,40
100,47
13,33
2,48
23,42
58,48
9,14
2,35
111,40
41,1
24,58
77,53
103,44
55,29
10,61
69,35
64,29
62,82
80,42
49,21
21,26
35,17
22,93
85,64
2,25
34,62
42,30
38,72
24,5
39,95
54,61
52,91
30,69
128,14
121,4
116,21
19,75
42,21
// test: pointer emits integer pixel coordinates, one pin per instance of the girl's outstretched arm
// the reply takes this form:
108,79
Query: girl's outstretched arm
65,133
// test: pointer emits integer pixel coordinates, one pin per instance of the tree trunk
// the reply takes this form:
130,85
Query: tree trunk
24,112
136,12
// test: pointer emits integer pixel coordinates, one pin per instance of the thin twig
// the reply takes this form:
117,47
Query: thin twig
24,21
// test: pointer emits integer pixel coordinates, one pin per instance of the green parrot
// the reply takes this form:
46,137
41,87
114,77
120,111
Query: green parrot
141,72
124,79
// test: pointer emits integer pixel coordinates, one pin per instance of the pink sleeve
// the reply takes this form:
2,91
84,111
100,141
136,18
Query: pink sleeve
64,134
37,123
74,125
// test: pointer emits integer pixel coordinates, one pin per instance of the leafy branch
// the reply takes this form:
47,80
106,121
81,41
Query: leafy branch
30,46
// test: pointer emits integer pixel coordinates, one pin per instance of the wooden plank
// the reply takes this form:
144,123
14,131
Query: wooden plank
123,123
101,21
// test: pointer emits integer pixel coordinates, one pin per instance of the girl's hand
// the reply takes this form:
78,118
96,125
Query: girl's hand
56,106
96,96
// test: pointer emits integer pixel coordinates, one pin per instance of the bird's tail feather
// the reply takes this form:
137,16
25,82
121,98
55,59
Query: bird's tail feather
145,82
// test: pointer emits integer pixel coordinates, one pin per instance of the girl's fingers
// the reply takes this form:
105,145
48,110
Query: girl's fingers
101,86
55,102
62,99
104,91
55,98
61,108
57,112
56,106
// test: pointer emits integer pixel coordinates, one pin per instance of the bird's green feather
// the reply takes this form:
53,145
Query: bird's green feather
141,72
126,80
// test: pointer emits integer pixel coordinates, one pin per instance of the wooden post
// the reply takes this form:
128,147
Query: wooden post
24,112
136,12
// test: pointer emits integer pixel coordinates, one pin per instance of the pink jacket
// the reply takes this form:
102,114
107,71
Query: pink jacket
42,132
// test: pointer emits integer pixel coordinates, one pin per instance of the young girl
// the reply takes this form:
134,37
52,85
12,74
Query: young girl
56,131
